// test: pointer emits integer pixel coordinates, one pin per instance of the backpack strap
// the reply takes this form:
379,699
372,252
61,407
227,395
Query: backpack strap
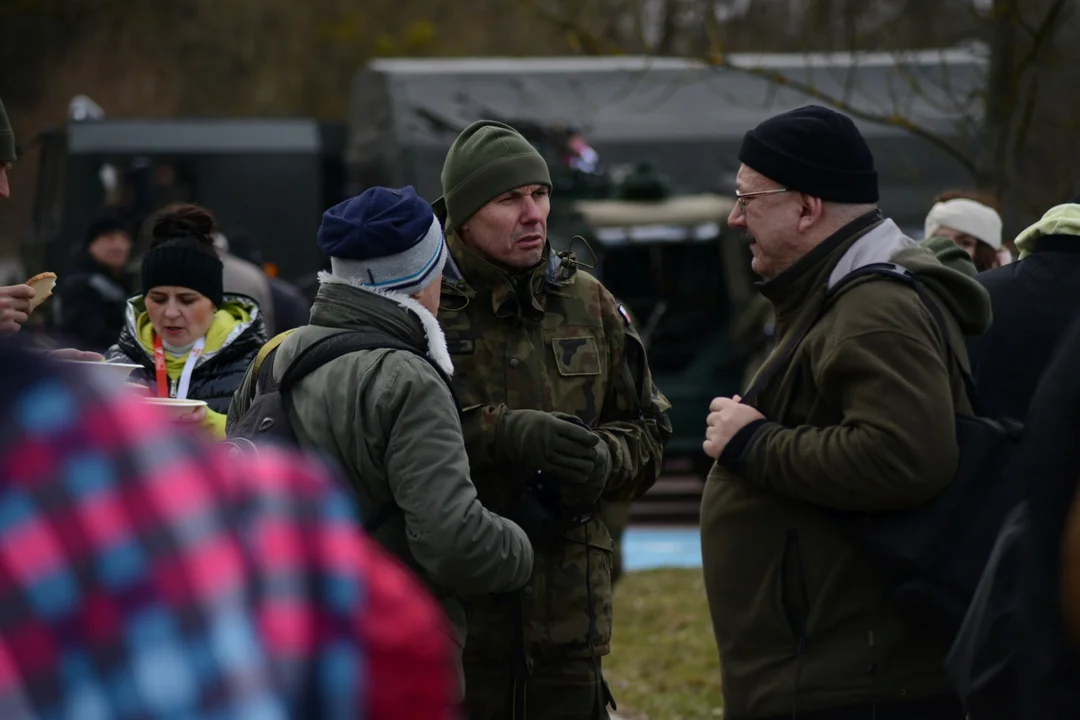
334,346
330,348
267,352
902,274
886,270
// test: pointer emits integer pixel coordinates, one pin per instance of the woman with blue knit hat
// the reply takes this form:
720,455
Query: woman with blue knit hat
386,415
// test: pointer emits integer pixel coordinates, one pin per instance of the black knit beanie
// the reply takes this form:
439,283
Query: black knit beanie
187,264
813,150
105,222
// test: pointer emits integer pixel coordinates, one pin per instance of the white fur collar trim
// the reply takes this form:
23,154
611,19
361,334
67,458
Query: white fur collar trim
435,338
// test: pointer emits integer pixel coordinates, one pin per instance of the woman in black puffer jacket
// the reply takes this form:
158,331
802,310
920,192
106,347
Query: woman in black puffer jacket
204,339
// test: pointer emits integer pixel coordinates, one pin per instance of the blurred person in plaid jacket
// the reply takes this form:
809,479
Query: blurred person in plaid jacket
145,575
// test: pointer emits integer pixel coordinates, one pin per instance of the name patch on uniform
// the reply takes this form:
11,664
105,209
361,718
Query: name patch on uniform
625,315
460,347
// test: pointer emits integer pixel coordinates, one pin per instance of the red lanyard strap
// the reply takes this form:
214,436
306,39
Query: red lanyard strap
185,376
159,368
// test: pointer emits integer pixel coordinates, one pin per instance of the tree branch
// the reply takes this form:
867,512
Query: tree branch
1020,137
889,119
1041,35
716,58
580,36
1016,135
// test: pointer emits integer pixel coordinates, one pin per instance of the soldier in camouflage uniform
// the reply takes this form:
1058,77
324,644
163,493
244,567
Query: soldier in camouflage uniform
558,412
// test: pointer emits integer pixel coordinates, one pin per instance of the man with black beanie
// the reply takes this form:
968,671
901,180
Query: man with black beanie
91,300
855,412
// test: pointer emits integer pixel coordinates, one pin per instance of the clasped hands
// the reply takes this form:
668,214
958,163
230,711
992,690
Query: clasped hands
727,416
560,445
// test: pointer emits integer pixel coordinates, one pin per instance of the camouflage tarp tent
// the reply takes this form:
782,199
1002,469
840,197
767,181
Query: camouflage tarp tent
683,117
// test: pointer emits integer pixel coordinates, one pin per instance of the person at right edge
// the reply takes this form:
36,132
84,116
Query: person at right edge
861,418
559,413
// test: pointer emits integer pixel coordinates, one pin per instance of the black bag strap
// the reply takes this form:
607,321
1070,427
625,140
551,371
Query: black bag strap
902,274
330,348
334,346
886,270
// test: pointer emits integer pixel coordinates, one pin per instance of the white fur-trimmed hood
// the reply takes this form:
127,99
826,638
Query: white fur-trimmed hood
436,340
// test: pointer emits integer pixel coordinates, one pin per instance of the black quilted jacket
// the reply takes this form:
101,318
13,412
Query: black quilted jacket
217,373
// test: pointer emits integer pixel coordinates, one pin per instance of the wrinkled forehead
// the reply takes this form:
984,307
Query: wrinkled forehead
748,180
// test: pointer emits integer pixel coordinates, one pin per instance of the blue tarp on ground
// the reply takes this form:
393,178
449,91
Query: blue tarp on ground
645,547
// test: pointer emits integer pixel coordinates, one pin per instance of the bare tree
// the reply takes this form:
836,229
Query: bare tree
997,121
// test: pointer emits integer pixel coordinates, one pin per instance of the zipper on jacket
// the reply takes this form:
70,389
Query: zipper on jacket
795,602
794,597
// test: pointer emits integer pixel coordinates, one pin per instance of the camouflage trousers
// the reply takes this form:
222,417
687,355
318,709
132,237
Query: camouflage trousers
564,690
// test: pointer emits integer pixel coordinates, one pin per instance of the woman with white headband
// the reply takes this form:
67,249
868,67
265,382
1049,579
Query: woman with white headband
972,224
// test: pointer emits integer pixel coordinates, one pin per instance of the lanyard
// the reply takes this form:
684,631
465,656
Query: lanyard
185,376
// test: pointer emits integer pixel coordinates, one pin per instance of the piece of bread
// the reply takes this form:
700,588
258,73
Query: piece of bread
43,284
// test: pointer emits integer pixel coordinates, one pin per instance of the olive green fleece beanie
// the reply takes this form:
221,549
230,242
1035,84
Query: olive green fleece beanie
487,159
7,138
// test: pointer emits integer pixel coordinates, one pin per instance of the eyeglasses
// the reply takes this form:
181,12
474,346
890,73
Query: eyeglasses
742,197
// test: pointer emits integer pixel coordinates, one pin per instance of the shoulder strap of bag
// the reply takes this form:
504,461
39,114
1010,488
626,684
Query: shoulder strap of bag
334,346
331,348
265,353
902,274
886,270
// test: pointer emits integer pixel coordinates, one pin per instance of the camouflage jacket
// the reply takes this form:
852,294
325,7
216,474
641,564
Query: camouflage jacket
552,339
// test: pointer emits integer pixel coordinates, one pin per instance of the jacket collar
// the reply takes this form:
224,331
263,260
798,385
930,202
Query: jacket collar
790,291
478,277
345,303
250,329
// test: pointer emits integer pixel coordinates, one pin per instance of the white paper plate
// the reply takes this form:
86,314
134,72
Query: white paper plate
175,407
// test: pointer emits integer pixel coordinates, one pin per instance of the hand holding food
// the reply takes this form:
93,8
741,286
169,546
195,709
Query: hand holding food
14,307
18,301
43,284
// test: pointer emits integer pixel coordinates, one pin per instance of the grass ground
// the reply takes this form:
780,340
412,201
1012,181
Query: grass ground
663,663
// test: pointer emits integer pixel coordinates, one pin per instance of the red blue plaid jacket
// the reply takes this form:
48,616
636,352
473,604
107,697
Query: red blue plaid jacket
145,575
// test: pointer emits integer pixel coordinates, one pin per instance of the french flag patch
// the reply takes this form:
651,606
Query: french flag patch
625,315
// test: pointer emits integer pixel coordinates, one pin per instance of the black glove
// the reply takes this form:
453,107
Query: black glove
537,440
585,490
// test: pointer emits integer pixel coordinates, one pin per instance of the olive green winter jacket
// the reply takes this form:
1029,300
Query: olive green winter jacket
388,420
862,418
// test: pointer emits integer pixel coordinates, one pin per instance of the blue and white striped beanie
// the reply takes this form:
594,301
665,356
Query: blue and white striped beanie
385,239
